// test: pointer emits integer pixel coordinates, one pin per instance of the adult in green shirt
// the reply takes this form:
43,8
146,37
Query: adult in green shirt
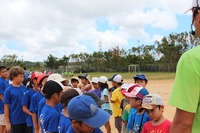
185,95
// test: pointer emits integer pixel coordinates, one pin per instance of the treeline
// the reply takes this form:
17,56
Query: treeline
161,56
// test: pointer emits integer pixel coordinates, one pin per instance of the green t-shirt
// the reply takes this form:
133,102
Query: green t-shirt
185,94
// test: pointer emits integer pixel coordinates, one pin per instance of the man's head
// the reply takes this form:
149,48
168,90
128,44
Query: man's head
195,17
85,114
153,105
141,79
52,90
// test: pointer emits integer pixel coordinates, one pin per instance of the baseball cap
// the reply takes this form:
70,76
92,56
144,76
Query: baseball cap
95,80
83,108
124,88
84,76
41,77
195,3
56,76
74,78
98,101
140,76
103,79
137,91
150,100
116,78
35,75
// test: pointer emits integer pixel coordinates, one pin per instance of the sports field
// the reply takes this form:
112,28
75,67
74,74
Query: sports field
159,83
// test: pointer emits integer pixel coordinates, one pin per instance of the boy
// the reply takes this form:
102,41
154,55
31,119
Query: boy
97,89
64,121
14,116
116,98
85,115
49,117
74,83
141,79
4,83
41,80
136,93
85,80
154,107
33,88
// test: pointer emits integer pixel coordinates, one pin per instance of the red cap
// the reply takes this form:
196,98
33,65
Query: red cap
35,75
40,77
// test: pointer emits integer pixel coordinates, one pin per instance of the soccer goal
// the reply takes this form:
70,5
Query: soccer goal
134,68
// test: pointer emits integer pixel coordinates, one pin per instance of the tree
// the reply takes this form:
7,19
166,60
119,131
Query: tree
11,60
52,62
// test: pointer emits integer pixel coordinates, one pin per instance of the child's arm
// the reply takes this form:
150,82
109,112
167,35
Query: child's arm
25,109
7,118
35,124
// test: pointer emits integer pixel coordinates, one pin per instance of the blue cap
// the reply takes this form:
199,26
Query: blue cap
140,76
83,108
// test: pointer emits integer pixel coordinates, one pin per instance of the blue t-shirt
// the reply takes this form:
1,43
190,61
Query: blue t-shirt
14,96
26,102
3,85
71,130
41,104
137,121
35,101
97,92
132,112
64,124
49,119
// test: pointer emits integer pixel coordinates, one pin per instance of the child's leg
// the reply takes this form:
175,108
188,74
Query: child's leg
118,123
2,123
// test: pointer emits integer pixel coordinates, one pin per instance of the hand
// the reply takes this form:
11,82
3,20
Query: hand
8,128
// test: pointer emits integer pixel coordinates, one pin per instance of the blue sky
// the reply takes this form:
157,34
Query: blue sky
34,29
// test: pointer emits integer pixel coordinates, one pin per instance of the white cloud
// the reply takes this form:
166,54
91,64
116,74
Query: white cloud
40,28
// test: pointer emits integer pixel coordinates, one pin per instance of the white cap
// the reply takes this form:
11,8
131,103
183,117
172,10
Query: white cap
56,77
195,3
117,78
103,79
86,76
95,80
150,100
126,86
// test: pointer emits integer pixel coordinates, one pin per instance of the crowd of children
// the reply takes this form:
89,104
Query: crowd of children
51,103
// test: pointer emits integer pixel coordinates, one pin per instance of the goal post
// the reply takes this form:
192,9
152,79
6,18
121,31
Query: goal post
134,68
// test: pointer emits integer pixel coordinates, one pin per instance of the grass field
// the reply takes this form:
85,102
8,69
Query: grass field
126,75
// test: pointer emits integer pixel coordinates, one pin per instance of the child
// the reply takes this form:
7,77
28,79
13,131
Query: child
14,116
49,117
154,107
4,83
116,100
97,90
137,120
41,80
65,122
85,80
33,88
85,115
141,79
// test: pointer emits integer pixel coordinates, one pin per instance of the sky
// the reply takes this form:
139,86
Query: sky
33,29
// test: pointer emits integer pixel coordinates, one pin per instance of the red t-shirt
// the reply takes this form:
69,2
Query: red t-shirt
162,128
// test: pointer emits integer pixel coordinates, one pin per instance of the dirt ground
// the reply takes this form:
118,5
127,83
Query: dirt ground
160,87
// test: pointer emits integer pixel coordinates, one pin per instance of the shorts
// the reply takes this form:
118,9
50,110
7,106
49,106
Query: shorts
118,123
2,120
